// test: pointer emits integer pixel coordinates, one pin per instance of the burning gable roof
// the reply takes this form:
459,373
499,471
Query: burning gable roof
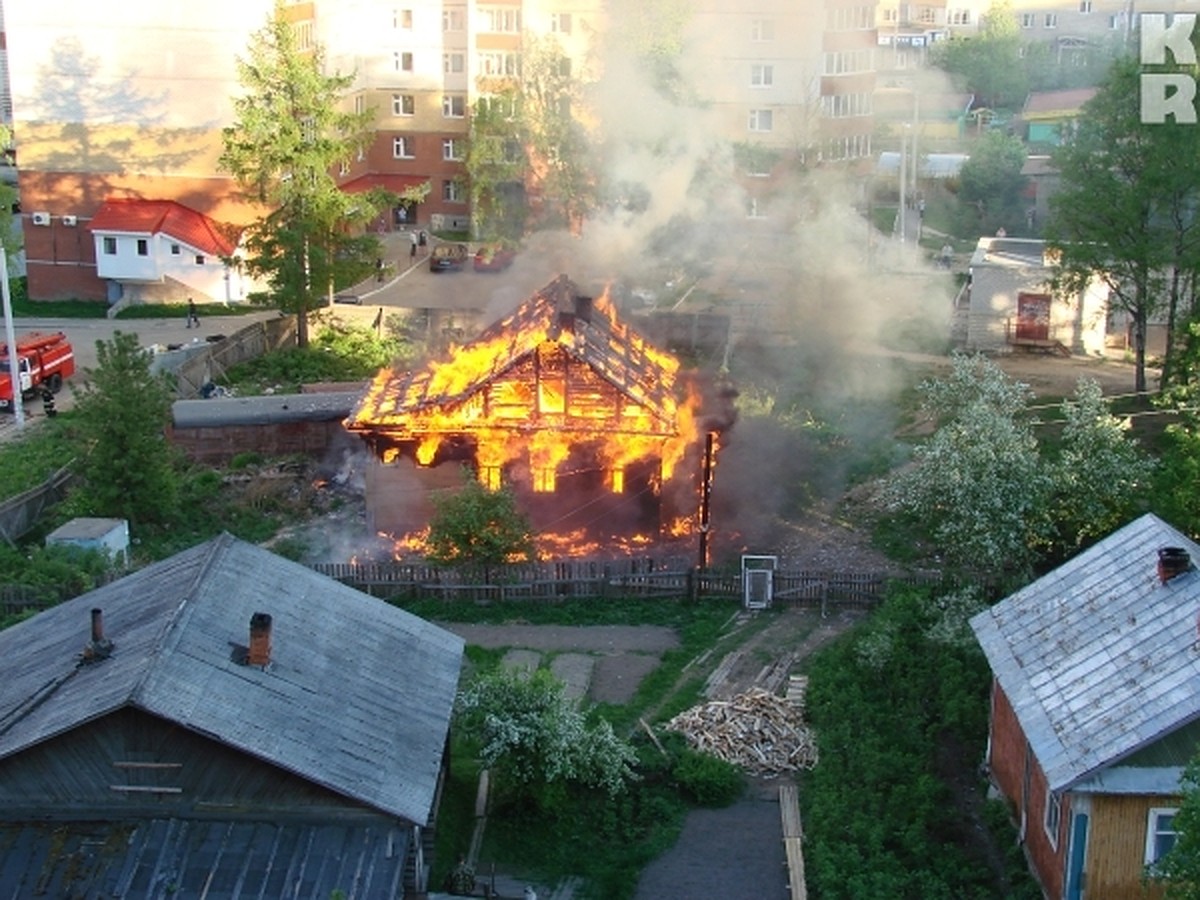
561,371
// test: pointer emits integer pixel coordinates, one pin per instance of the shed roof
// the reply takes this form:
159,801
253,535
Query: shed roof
1098,657
1054,104
357,696
265,410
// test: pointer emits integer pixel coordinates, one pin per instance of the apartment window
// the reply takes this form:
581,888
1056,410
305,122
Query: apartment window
303,32
110,246
403,60
199,259
494,62
1051,20
176,250
403,105
1085,6
927,16
560,23
452,192
762,30
849,18
143,247
760,120
500,19
1160,833
454,106
344,167
402,18
402,148
1028,20
762,76
360,104
1115,22
844,62
891,15
454,63
452,20
1053,816
959,17
452,149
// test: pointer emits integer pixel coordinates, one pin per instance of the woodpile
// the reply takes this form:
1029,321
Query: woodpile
758,731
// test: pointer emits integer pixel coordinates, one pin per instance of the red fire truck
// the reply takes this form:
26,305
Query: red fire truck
45,359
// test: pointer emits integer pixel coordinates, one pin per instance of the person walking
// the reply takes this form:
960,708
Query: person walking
192,318
415,238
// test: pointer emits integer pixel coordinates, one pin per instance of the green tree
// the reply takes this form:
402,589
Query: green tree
988,63
127,464
290,133
991,181
978,485
531,737
1100,475
1126,212
496,164
477,529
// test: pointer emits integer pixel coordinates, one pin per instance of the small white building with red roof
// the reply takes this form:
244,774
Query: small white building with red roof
163,251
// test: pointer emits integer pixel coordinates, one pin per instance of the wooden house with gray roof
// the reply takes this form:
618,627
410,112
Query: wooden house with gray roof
222,724
1095,708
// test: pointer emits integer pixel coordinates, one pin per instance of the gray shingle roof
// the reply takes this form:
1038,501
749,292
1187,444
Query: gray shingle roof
357,697
1098,657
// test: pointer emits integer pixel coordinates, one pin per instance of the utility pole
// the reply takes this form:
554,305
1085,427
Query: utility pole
14,358
903,186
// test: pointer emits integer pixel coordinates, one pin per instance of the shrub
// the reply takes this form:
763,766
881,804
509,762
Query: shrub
706,779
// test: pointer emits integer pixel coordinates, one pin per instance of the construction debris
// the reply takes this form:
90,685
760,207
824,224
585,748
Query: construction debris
762,733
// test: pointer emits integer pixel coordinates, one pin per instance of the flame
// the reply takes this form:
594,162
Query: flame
536,386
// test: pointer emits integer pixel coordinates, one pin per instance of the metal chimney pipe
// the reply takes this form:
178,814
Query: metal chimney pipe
97,626
1172,561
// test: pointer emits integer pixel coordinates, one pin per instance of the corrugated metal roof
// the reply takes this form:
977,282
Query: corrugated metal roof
357,697
1098,657
135,216
216,860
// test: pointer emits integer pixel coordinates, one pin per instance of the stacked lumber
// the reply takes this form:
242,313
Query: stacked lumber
758,731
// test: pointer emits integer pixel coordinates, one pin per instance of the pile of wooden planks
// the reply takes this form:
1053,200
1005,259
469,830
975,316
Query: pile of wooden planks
758,731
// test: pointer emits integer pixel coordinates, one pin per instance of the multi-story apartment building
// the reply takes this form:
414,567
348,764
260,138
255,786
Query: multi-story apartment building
127,103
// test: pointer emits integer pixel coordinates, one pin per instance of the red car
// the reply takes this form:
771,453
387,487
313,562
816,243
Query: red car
494,259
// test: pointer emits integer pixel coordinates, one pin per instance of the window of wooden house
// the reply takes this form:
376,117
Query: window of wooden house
1160,833
1053,816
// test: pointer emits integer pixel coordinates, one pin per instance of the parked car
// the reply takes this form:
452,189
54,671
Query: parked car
494,258
353,299
447,257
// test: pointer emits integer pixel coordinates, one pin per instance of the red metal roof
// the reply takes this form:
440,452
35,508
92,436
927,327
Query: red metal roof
164,217
388,181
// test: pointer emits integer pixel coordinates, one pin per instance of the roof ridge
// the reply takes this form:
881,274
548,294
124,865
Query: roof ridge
216,549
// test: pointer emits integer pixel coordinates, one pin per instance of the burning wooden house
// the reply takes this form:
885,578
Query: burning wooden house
560,400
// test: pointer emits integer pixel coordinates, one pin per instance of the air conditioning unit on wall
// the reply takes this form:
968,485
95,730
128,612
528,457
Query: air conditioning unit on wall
69,221
41,218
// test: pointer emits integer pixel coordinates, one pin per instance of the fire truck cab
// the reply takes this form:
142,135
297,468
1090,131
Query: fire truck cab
45,360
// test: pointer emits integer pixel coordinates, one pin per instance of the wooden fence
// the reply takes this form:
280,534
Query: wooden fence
670,579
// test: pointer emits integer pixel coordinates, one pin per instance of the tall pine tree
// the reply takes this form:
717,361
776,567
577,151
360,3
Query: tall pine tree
290,134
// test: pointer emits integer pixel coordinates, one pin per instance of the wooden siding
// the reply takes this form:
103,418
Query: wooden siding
165,770
1008,761
1117,846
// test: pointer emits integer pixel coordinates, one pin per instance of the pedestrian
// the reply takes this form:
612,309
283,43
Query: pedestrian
192,318
1000,232
461,880
947,255
378,269
921,208
415,238
402,215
